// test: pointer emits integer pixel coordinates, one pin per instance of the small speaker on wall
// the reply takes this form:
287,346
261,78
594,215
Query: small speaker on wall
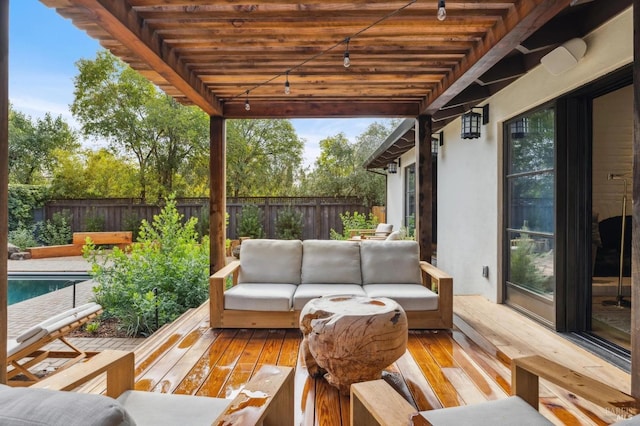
564,57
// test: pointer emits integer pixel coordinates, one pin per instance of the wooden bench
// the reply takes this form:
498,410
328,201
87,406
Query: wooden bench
121,239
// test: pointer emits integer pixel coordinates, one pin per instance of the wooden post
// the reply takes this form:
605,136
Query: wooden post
4,181
217,193
635,249
424,213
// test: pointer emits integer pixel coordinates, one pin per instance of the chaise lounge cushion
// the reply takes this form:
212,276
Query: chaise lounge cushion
260,297
512,411
412,297
270,261
330,262
390,262
306,292
31,407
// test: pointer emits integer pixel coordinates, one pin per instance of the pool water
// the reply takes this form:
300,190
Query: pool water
24,288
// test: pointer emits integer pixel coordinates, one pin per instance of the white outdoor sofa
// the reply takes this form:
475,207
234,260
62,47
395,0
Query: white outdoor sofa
274,279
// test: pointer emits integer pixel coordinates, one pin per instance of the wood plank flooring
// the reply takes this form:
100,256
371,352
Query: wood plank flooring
440,368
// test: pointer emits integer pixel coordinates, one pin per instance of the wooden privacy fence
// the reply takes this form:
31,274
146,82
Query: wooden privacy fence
319,214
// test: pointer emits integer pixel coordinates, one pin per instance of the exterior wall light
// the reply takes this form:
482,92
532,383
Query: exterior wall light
392,167
471,122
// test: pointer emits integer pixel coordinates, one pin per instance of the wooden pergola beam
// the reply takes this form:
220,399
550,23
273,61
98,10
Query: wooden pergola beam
4,182
499,41
122,22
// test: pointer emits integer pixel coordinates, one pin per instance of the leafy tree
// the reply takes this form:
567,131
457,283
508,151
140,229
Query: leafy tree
115,103
32,145
339,169
93,174
250,222
263,157
289,225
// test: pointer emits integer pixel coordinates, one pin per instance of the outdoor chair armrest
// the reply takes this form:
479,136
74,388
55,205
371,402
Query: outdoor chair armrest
377,403
442,283
526,371
119,366
354,232
267,399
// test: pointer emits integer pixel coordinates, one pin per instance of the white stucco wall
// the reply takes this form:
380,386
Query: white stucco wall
469,170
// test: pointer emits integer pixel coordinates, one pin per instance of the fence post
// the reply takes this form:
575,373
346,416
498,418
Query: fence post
318,215
266,219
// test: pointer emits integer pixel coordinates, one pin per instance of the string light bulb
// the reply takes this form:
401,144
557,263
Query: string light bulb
347,60
442,12
287,86
247,105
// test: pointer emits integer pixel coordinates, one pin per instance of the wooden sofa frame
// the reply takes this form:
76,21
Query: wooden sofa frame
277,383
377,403
432,277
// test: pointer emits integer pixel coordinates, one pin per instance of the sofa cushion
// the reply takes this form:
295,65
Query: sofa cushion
412,297
306,292
512,411
270,261
390,262
635,420
31,407
156,409
328,262
260,297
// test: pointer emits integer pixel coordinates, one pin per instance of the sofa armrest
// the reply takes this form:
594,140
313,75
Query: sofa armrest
441,283
119,366
267,399
377,403
355,232
526,371
217,287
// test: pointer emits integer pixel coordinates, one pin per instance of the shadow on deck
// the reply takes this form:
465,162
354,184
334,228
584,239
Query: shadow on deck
439,369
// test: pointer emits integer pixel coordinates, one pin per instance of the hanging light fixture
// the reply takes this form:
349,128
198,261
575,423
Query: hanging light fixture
347,59
442,12
287,86
520,128
471,122
247,105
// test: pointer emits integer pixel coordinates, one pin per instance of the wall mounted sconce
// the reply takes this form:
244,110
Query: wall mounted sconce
519,128
471,122
392,167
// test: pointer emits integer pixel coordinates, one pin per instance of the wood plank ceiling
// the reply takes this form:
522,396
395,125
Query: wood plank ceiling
404,61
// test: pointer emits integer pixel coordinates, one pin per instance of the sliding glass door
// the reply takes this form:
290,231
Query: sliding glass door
530,182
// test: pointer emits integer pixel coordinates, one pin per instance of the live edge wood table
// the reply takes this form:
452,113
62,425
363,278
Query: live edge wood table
351,339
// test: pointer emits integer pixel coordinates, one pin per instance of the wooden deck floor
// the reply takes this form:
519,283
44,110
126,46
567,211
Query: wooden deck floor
439,369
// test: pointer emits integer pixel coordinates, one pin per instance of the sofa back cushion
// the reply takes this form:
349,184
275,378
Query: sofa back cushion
270,261
28,406
390,262
330,262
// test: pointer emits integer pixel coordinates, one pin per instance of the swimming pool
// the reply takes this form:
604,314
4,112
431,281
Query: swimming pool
23,286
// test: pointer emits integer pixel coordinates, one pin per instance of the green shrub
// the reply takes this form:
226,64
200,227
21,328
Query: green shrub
524,270
23,199
94,221
168,257
131,222
250,222
289,224
353,221
23,238
55,231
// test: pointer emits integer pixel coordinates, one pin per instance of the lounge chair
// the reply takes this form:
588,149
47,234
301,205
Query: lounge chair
267,399
381,232
377,403
26,350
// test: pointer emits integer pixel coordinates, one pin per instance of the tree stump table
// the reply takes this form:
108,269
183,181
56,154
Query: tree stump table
351,339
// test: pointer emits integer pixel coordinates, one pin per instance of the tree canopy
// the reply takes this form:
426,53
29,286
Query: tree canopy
115,103
32,146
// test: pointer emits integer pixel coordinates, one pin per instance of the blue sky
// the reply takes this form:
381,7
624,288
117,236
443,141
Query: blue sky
43,50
